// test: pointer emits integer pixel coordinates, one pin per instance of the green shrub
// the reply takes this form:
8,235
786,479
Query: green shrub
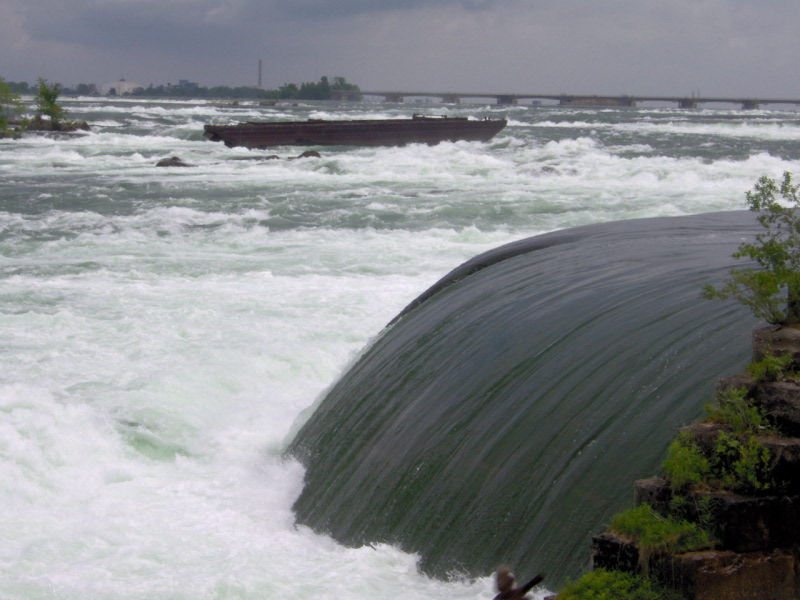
10,105
653,532
732,408
45,99
685,466
770,368
741,465
615,585
698,509
736,463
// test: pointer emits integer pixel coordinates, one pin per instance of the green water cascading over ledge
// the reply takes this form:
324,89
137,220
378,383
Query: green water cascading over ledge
502,416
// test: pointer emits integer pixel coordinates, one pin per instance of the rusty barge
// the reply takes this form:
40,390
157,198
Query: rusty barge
419,129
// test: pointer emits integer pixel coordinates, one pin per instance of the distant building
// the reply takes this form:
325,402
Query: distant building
184,83
118,88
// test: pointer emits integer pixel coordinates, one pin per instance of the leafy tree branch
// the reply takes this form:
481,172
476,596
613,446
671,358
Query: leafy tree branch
45,100
772,288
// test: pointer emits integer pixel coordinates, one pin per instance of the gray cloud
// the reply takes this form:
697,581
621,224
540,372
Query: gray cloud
323,9
732,47
110,25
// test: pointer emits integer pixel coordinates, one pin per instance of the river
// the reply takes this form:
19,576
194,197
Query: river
163,328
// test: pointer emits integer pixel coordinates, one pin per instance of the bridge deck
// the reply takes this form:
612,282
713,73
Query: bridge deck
575,99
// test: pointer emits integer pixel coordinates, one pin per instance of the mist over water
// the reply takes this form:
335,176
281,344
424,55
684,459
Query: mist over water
162,329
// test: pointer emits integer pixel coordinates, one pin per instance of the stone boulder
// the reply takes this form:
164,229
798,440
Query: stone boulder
74,126
777,340
308,154
173,161
704,575
39,124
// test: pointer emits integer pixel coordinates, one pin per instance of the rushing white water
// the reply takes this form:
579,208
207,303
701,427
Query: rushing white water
162,329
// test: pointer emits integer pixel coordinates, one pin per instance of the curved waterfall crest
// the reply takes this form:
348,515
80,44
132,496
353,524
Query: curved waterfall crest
504,414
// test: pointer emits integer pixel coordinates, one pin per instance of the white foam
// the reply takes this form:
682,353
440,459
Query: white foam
146,461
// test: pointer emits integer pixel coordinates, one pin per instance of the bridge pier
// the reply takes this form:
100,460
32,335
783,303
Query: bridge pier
507,99
393,98
687,103
451,99
750,105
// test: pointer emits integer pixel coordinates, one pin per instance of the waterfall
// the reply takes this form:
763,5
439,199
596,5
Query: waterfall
502,417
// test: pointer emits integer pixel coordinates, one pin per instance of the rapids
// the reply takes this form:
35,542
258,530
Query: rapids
161,330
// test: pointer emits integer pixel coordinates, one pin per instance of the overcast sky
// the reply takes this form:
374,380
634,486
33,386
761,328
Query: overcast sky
717,47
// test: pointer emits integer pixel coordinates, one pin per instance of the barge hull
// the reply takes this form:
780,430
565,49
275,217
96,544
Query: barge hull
375,132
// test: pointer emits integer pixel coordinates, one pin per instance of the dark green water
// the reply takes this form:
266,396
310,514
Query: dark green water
505,418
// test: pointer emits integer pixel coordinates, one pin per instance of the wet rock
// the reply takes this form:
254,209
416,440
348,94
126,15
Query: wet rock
614,553
748,524
705,434
258,158
781,401
310,154
654,491
744,523
39,124
706,575
173,161
785,453
739,381
725,575
777,340
74,126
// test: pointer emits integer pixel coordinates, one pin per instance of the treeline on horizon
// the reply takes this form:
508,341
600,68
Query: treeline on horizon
321,90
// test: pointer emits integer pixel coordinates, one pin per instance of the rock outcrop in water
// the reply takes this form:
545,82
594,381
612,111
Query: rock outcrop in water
757,551
42,126
39,124
172,161
499,418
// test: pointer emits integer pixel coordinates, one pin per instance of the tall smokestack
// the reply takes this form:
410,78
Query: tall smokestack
259,73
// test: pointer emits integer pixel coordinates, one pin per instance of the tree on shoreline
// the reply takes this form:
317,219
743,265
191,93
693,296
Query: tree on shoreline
10,105
45,99
321,90
772,289
19,87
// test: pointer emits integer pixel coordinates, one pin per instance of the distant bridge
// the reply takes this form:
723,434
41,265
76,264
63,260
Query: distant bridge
566,99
